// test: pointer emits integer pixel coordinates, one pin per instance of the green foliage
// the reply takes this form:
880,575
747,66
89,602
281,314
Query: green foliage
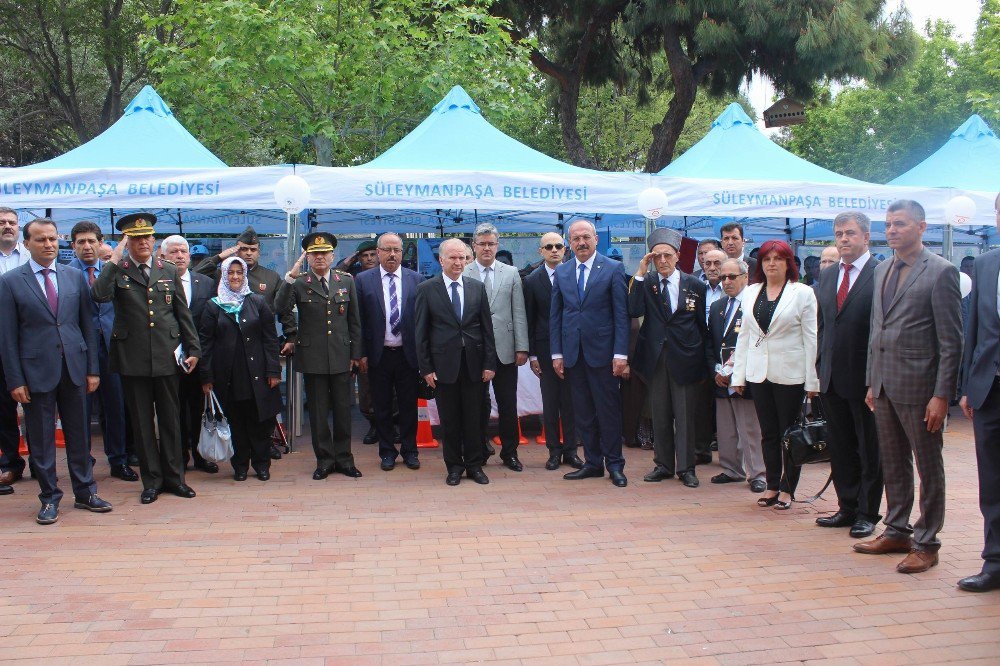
330,81
876,133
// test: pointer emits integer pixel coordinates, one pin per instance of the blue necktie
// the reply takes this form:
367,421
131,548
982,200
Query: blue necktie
729,311
394,323
456,302
580,282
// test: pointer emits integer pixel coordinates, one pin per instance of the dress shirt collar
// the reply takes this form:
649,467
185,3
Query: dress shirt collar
483,269
36,267
589,263
550,271
858,263
448,281
18,249
325,276
398,272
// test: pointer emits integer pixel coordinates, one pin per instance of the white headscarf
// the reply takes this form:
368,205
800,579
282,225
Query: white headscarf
227,295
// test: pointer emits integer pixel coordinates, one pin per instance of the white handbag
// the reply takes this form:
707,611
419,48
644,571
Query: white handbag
216,441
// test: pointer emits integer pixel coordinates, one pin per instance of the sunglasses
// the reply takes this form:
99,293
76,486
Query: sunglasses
731,276
553,246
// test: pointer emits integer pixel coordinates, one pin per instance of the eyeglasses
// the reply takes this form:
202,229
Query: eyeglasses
553,246
391,250
663,256
731,276
487,244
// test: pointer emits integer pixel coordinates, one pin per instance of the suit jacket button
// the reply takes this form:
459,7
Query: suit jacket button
251,358
151,290
329,332
151,324
150,302
150,313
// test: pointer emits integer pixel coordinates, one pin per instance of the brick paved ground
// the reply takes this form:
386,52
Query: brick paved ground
398,568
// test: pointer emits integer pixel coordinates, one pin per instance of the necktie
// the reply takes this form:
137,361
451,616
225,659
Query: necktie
456,301
891,284
144,269
580,282
50,291
845,286
91,275
488,281
729,312
394,323
326,289
665,295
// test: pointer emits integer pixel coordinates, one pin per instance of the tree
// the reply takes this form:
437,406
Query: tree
329,81
713,45
876,133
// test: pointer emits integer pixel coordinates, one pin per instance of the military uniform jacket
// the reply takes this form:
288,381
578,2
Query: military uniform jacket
261,280
329,327
150,319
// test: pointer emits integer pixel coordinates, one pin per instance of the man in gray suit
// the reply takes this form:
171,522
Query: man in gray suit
50,358
510,328
981,403
913,357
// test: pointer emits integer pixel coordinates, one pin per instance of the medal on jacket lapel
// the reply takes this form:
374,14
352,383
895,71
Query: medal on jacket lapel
262,286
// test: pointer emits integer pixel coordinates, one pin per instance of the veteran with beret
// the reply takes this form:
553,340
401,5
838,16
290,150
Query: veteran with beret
327,346
152,334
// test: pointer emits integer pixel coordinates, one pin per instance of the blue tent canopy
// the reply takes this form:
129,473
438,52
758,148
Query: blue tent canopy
969,160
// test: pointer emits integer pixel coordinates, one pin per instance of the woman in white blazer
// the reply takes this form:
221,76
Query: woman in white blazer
776,356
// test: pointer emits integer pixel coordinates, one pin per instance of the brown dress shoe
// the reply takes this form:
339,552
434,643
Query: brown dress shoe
9,477
917,561
883,544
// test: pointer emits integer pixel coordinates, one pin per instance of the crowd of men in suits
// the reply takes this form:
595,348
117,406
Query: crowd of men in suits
889,341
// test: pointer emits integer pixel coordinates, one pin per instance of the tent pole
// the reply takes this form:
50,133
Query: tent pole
294,390
803,231
180,223
788,229
948,242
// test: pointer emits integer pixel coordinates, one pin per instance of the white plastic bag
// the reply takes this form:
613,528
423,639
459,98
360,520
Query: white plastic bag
216,441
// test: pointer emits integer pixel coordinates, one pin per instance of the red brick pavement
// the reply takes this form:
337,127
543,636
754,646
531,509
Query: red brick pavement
398,568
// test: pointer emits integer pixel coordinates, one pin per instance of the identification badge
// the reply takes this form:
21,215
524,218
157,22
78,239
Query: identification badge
170,298
341,309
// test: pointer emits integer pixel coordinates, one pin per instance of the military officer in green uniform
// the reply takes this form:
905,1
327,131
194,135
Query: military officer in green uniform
327,346
152,333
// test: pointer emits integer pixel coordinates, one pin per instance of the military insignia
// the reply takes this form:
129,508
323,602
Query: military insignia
169,298
262,286
656,290
309,279
341,309
159,264
336,276
125,264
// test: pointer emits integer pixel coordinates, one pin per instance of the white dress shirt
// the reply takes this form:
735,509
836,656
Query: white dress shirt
586,274
390,339
711,294
484,271
17,257
461,290
37,268
186,281
552,274
673,285
856,267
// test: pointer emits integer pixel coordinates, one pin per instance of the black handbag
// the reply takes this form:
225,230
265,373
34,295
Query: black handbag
805,441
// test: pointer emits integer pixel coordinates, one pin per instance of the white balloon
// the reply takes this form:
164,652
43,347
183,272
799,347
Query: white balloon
652,203
292,194
964,284
960,210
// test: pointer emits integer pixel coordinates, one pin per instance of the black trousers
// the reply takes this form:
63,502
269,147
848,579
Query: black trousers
330,393
459,407
112,404
393,376
251,436
854,457
557,408
505,390
778,406
160,463
10,457
704,417
986,425
673,418
68,400
191,401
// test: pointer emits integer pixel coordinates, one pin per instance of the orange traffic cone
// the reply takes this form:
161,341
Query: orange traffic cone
541,436
60,437
425,438
22,447
521,439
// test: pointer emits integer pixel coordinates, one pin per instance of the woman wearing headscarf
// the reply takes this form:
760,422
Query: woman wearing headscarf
240,363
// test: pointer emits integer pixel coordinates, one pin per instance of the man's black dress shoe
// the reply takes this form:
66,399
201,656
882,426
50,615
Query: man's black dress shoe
6,490
490,451
688,479
862,528
757,486
981,582
388,464
264,474
659,473
724,478
553,462
513,463
92,503
149,495
124,472
584,473
48,514
207,467
618,478
275,452
839,519
321,473
478,475
412,462
351,471
182,490
240,476
573,461
454,478
371,436
703,459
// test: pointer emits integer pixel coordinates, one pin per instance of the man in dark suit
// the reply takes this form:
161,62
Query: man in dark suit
328,347
981,402
588,331
386,297
456,354
12,255
86,238
740,452
732,244
844,297
151,320
50,354
198,289
673,353
914,354
557,400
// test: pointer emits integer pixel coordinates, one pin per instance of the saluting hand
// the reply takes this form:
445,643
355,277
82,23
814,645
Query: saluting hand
297,267
644,265
118,252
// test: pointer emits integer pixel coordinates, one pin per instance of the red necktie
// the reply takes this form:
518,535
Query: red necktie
91,275
845,286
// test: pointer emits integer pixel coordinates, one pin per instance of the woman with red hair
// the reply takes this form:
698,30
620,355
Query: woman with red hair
776,356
